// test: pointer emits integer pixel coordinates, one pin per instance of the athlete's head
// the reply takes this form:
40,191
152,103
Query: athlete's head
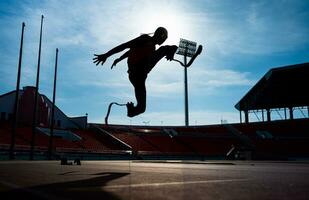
160,35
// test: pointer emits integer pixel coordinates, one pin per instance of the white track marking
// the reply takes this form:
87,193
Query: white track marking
171,183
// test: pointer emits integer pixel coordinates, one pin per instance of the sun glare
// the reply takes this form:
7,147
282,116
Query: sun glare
167,20
151,18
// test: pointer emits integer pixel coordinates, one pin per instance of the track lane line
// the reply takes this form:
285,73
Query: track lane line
170,183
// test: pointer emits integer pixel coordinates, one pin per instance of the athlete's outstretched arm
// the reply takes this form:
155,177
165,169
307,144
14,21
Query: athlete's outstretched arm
125,55
101,58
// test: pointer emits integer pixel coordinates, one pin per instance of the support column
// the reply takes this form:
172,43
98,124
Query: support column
285,113
291,113
246,116
268,115
263,115
240,117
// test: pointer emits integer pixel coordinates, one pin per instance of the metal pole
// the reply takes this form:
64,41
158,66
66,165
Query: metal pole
34,121
186,91
291,113
246,116
15,118
268,112
50,146
240,118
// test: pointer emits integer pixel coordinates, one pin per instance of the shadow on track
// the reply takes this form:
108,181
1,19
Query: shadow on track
79,189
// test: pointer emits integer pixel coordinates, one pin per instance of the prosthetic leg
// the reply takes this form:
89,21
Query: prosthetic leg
109,110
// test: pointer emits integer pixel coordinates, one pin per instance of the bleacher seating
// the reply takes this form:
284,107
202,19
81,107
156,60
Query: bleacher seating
287,138
187,140
90,142
164,143
5,134
284,137
93,141
135,141
282,128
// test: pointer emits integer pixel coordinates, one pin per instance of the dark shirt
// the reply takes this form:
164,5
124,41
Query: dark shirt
139,54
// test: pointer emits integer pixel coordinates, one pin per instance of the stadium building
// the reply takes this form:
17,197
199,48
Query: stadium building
281,91
25,112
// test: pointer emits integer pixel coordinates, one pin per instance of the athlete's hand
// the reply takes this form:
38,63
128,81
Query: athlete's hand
115,63
99,59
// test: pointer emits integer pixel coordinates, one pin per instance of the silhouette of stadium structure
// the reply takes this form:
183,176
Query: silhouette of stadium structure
280,90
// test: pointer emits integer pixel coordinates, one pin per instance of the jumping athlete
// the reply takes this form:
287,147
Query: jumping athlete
142,57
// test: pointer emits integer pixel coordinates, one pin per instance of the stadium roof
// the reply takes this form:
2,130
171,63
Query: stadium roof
280,87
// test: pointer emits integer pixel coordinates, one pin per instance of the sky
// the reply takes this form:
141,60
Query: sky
242,40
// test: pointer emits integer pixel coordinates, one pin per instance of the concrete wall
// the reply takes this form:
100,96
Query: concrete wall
61,120
81,121
7,104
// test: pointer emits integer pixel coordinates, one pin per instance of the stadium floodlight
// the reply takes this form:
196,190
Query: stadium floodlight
187,49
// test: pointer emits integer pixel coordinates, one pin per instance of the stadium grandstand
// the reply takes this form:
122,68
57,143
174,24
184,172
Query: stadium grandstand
282,88
279,90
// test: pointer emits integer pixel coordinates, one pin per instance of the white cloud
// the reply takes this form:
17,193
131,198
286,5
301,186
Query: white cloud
255,28
103,24
81,28
166,82
220,78
70,40
167,79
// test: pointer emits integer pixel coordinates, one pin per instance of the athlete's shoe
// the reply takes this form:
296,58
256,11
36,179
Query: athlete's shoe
171,52
130,107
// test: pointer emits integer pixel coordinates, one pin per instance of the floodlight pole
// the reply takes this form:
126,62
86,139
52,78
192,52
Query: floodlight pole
187,48
15,117
34,120
50,145
186,90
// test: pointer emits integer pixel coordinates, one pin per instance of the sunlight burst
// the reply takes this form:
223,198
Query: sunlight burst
152,17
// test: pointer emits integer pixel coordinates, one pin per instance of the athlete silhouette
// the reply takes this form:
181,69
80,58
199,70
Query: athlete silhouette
142,57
